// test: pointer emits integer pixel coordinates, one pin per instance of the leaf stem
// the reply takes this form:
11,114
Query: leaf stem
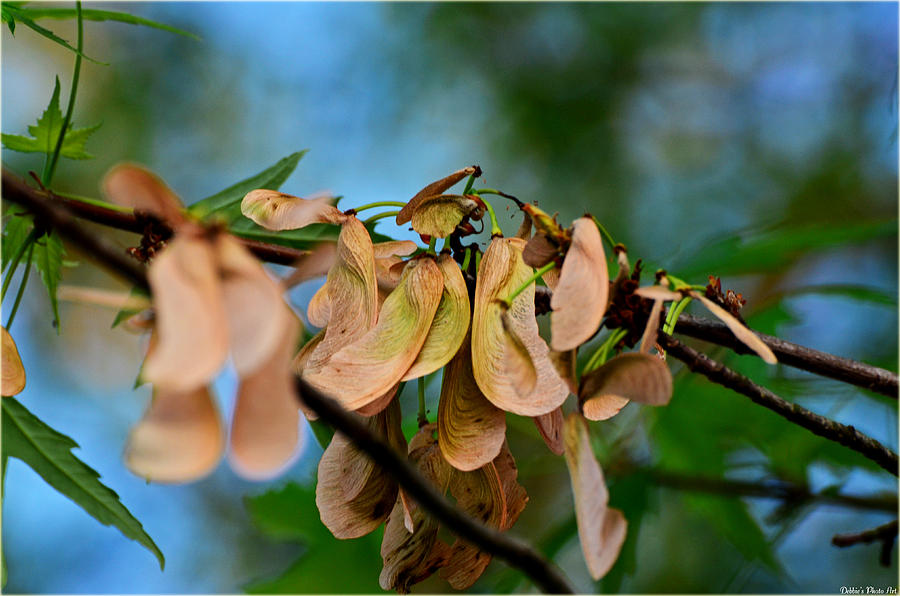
604,232
469,184
534,276
375,218
467,259
14,263
674,312
422,417
600,356
50,168
379,204
21,292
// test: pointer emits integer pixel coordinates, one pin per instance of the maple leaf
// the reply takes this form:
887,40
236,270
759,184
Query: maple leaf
45,134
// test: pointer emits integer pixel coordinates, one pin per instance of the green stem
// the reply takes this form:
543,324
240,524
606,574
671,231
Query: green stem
534,277
599,357
50,165
469,184
14,263
466,259
676,283
604,232
21,292
95,202
431,244
379,204
375,218
422,418
495,229
674,312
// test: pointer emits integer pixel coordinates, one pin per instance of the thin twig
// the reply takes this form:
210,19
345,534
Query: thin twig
817,424
130,222
827,365
506,547
886,535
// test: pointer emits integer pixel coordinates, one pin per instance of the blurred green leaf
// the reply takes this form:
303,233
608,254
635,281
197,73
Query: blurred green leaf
90,14
49,253
271,178
776,248
48,453
633,495
14,12
18,225
290,514
854,292
45,134
322,432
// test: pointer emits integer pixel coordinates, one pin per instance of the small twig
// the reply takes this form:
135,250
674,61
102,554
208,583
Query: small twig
886,535
515,552
131,222
827,365
817,424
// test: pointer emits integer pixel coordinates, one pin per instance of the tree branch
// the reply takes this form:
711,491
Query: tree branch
15,189
827,365
515,552
817,424
886,535
841,369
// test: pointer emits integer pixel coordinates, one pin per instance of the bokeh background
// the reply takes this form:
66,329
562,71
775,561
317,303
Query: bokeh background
757,142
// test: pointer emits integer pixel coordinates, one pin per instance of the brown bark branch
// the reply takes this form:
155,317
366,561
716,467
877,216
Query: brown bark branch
15,189
817,424
886,535
515,552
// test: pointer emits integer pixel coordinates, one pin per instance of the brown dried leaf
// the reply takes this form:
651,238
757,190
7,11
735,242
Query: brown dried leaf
354,495
394,248
264,429
366,369
320,259
471,430
479,493
450,324
439,215
380,403
539,251
275,210
579,300
502,271
352,294
318,311
190,316
551,428
601,530
658,293
603,407
134,186
13,371
740,331
435,188
651,331
179,439
635,376
517,364
255,311
514,493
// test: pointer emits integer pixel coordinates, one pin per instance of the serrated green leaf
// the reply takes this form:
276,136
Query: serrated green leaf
18,13
7,18
272,178
774,249
290,514
49,253
90,14
48,453
45,134
15,233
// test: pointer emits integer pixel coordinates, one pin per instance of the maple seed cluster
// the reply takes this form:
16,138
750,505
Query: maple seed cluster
391,312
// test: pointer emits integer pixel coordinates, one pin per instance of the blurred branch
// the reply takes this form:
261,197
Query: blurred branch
15,189
826,365
515,552
886,535
817,424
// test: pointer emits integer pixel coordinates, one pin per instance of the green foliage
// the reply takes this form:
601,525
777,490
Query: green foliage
13,12
48,453
45,134
90,14
776,248
271,178
15,232
322,432
49,254
290,514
